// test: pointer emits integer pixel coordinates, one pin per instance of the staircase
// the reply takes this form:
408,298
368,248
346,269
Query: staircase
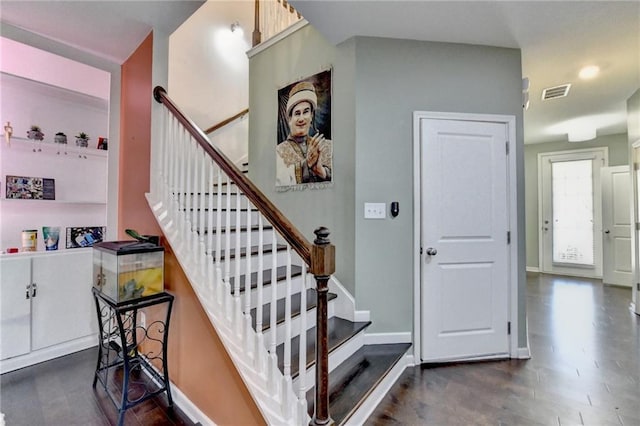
254,276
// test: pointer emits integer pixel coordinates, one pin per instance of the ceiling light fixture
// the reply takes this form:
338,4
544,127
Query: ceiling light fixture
583,134
589,72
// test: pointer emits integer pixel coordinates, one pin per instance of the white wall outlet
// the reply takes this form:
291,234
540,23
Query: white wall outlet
375,210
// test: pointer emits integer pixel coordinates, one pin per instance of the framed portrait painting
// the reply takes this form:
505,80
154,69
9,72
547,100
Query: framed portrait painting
304,149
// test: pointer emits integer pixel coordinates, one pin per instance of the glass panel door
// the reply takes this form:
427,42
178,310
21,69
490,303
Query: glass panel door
572,206
570,212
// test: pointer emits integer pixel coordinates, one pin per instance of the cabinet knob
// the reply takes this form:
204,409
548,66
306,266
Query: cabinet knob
26,296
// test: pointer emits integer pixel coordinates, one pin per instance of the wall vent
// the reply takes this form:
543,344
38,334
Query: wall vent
556,92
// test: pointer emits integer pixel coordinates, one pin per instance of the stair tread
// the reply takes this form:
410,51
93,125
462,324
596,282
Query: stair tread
353,380
243,228
266,248
280,305
281,274
339,330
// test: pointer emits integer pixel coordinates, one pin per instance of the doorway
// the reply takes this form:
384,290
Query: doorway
569,200
466,291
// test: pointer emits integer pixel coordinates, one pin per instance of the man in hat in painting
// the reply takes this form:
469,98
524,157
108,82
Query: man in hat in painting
303,157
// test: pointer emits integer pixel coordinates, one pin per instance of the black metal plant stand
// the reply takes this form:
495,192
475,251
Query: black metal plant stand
132,354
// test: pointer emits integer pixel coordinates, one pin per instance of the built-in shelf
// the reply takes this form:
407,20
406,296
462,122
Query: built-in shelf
51,148
28,200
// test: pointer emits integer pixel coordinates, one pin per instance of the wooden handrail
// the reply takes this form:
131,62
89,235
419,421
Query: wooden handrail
226,121
288,231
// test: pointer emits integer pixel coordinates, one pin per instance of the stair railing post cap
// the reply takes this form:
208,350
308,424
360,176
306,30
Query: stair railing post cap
322,236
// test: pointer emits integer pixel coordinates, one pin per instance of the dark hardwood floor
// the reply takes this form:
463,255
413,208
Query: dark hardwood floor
59,393
584,368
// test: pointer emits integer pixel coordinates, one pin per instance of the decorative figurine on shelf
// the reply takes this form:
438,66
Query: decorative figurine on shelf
35,133
8,131
82,140
60,138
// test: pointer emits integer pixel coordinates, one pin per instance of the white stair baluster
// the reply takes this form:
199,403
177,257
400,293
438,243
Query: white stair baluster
260,297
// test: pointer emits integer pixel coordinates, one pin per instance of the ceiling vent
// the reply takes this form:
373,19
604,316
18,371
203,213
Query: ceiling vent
556,92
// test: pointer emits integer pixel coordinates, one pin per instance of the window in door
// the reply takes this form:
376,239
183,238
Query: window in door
573,212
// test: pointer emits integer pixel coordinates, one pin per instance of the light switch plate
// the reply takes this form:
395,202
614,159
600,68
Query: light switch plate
375,210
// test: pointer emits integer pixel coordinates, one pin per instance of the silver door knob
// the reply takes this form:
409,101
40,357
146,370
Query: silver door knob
431,251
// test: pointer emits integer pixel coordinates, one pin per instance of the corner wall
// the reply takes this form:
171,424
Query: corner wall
378,84
394,78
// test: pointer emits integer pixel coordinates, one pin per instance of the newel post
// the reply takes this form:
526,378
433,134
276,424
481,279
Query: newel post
323,264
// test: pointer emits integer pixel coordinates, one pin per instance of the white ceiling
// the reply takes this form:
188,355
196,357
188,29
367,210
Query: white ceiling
557,38
109,29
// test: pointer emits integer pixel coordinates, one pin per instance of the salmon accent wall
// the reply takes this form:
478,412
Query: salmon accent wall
198,363
135,143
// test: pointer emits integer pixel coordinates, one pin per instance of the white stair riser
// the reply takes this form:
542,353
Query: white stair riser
195,218
267,258
296,287
267,238
337,357
197,199
295,325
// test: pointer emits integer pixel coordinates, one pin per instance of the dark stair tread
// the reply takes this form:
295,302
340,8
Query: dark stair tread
223,209
339,330
353,380
243,228
280,305
266,248
281,274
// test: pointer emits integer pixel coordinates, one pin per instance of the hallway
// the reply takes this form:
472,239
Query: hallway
584,368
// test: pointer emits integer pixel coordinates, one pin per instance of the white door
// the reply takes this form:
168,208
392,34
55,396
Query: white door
570,213
465,257
63,308
15,304
616,226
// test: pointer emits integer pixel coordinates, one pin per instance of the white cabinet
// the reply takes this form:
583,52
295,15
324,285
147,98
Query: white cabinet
15,313
63,308
47,303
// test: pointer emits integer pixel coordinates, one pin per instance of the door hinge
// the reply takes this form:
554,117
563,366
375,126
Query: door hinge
508,237
637,226
638,286
509,327
421,250
507,147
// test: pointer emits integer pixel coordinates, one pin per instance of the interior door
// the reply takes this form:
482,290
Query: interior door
465,257
616,224
570,212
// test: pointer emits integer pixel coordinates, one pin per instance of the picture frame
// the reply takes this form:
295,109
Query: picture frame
84,236
30,188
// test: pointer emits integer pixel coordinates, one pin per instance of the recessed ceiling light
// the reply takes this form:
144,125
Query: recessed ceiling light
589,72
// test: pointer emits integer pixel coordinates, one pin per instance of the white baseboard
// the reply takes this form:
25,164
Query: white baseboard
384,338
361,316
189,408
523,353
47,354
533,269
369,405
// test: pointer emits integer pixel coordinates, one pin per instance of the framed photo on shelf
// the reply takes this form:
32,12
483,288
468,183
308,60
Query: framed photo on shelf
30,188
86,236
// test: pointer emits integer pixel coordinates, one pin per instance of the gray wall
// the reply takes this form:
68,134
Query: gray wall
618,156
394,78
378,84
303,54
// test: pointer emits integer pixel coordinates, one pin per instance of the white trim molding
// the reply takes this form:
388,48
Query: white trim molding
46,354
276,38
533,269
189,408
387,338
